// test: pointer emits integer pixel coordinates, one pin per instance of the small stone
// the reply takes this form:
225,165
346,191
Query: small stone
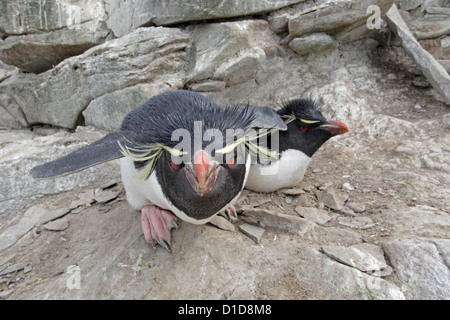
291,192
222,223
285,222
13,268
347,186
103,196
254,232
108,185
27,268
356,222
330,199
209,86
5,294
288,199
57,225
318,216
317,170
356,207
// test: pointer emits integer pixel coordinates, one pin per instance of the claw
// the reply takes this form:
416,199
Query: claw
156,225
230,214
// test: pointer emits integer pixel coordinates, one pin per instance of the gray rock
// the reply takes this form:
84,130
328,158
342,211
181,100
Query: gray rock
7,71
356,222
433,70
333,16
443,246
231,51
222,223
254,232
368,258
313,43
103,196
108,111
127,15
356,207
330,199
213,85
13,268
407,5
34,216
57,225
284,222
318,216
148,55
41,36
420,268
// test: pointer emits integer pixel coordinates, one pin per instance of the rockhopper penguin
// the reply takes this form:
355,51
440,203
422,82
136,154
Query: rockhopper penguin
169,166
307,131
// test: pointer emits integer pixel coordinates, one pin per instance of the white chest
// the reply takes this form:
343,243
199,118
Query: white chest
288,171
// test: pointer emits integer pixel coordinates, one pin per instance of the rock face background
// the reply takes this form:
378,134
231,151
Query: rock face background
369,221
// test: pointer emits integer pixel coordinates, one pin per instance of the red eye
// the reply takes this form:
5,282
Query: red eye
174,166
303,128
230,162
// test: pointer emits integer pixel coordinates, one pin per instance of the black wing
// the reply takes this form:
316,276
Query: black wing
103,150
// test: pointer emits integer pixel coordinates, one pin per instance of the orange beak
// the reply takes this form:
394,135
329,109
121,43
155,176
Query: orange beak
335,127
202,173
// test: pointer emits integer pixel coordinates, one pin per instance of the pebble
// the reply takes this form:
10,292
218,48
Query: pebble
253,232
318,216
222,223
361,223
103,196
330,199
57,225
317,170
347,186
356,207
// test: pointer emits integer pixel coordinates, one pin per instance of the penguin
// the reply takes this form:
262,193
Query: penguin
307,131
175,162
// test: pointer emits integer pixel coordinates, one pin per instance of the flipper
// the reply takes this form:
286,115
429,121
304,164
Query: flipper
265,117
103,150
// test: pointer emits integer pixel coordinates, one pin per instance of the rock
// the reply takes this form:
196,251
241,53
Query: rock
255,233
108,111
231,51
443,246
148,55
318,216
365,257
433,71
290,192
347,186
213,85
7,71
407,5
127,15
57,225
41,36
104,196
420,268
34,216
356,222
5,294
330,199
356,207
13,268
25,150
312,43
333,16
222,223
284,222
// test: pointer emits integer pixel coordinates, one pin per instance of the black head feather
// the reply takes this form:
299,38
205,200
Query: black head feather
302,109
156,119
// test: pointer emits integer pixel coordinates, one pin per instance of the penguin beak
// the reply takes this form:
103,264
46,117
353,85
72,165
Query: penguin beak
202,173
335,127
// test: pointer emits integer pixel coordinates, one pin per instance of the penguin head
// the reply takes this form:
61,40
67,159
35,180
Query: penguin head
203,185
308,129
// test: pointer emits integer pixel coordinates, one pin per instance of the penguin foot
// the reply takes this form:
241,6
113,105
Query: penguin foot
230,214
156,225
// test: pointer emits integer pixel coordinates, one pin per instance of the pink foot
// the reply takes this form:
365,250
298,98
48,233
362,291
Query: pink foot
230,214
156,225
